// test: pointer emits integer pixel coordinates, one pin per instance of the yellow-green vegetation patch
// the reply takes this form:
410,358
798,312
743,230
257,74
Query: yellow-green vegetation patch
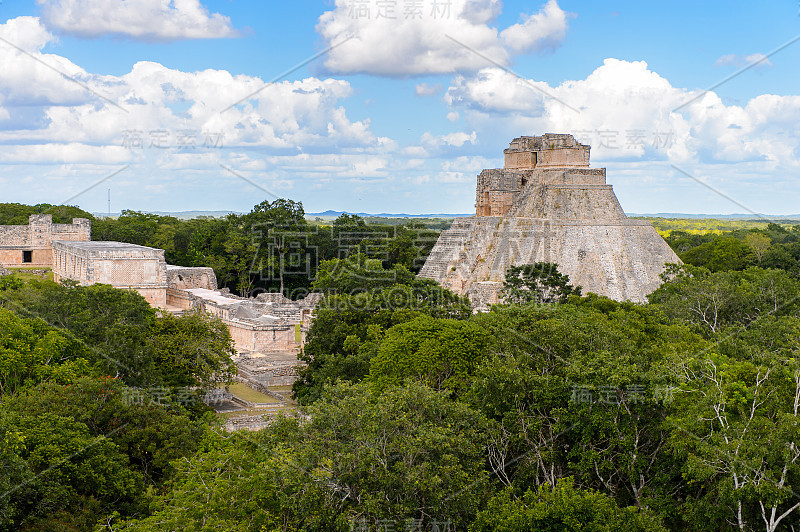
28,274
246,393
699,226
667,232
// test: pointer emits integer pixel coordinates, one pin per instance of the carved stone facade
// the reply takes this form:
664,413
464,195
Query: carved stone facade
547,205
29,245
268,322
121,265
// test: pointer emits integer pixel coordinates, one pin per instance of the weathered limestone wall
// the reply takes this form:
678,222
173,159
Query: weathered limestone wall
262,371
13,257
179,299
263,338
268,323
484,294
498,188
622,260
550,149
569,202
156,297
36,238
182,277
120,265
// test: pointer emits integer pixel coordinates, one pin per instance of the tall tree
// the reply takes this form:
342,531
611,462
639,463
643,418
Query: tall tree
738,425
283,238
540,283
439,352
759,243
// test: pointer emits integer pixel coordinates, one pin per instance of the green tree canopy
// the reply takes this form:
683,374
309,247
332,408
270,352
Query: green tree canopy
32,352
540,283
63,477
714,300
347,330
720,254
561,508
358,273
362,458
19,214
119,334
442,353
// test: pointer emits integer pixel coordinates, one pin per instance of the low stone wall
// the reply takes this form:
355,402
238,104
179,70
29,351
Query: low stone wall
156,297
252,337
485,294
272,369
283,375
247,423
182,277
179,299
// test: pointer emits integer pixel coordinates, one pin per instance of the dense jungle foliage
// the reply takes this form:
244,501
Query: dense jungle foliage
558,411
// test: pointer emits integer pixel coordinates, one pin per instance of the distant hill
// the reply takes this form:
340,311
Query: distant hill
718,216
331,214
182,215
336,214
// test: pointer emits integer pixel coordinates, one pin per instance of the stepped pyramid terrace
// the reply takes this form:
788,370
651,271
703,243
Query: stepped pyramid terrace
547,205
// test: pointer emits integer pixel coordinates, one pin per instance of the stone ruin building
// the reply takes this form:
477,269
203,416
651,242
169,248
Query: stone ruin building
268,330
547,205
29,246
267,322
121,265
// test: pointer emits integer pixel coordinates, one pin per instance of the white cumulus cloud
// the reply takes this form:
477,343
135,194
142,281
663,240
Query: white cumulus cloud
30,76
456,139
369,37
155,20
540,31
53,111
25,33
626,111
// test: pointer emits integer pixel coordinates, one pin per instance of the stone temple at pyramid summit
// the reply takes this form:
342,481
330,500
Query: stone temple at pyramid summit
547,205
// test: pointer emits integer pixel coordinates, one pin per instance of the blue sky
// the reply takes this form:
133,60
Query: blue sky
398,117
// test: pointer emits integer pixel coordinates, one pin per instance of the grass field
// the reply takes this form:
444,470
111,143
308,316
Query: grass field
26,275
242,391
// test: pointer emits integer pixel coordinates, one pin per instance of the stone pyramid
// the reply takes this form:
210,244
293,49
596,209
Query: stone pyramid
547,205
